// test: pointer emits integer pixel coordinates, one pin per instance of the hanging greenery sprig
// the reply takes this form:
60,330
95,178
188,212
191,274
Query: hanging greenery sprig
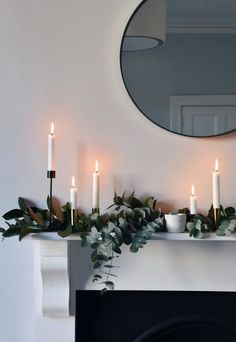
129,221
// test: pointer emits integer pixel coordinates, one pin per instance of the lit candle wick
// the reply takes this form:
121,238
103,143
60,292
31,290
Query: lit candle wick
52,128
193,190
96,167
73,181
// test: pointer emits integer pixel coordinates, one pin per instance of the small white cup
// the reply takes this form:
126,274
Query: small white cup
175,223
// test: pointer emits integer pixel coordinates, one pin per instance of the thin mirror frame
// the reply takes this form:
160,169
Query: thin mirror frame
123,77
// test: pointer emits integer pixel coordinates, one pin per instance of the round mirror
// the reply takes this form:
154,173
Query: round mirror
178,62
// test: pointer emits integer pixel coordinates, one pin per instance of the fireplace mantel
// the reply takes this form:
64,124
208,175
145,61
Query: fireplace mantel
53,255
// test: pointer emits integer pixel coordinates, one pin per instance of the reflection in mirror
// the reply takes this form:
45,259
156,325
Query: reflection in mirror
187,84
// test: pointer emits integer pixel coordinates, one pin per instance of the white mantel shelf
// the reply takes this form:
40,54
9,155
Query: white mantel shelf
207,237
54,265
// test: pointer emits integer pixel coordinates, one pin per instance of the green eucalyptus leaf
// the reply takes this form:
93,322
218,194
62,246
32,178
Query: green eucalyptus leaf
110,266
133,248
197,234
95,245
139,213
23,232
135,203
64,233
94,256
116,248
22,204
149,202
13,214
127,237
220,232
84,241
12,231
228,232
154,205
96,277
118,232
190,226
229,211
109,285
117,199
97,264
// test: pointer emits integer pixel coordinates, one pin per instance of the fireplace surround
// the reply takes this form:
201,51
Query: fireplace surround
150,316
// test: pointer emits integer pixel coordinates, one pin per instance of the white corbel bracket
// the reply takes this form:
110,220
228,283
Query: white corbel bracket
55,279
53,256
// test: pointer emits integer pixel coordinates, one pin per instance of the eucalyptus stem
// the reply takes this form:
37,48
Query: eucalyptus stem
111,264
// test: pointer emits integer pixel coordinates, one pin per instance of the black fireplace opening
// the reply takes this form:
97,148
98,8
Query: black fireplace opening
155,316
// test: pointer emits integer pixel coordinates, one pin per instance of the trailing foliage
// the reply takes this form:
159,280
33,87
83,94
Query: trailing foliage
199,224
130,222
227,223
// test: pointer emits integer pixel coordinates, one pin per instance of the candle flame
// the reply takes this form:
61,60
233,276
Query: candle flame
96,166
73,181
193,190
52,128
216,165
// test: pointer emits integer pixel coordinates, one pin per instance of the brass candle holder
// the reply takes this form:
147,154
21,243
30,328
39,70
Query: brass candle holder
73,213
217,216
95,210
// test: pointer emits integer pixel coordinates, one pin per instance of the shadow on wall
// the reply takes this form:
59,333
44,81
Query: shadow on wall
80,270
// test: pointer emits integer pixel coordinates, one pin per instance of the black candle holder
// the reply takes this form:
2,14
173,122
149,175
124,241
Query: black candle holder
50,174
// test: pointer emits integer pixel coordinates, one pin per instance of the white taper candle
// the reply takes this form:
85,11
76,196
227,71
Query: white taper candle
216,186
73,195
95,194
51,150
193,202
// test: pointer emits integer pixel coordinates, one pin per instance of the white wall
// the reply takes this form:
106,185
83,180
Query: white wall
59,61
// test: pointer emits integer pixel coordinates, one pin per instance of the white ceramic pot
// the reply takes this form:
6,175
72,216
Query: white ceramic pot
175,223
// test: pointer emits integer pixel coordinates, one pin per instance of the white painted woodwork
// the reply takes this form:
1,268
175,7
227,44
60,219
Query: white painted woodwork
201,115
54,265
208,237
55,280
201,25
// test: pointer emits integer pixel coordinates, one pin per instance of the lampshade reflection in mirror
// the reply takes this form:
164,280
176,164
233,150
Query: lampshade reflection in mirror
194,63
144,34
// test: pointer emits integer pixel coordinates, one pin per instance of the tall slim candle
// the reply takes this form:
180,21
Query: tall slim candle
51,149
96,180
73,194
216,186
193,202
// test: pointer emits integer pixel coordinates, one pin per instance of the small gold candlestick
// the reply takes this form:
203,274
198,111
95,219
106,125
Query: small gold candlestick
95,210
73,213
217,216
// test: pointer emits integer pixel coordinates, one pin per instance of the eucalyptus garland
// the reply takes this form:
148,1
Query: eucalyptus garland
129,221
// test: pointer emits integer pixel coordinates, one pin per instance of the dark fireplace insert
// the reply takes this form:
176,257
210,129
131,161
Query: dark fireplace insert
155,316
